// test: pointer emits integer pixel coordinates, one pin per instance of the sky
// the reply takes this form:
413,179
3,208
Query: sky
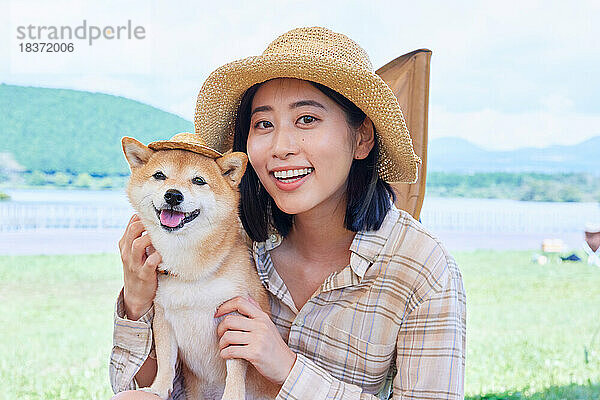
504,74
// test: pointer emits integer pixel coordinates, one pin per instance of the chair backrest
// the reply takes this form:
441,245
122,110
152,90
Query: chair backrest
552,245
408,76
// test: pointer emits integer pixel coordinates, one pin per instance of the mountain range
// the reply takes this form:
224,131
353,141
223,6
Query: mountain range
63,130
457,155
74,131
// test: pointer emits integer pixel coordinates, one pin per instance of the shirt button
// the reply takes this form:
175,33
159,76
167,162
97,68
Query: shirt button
297,323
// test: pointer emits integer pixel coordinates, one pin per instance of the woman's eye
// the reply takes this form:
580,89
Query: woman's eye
198,181
159,175
307,119
263,125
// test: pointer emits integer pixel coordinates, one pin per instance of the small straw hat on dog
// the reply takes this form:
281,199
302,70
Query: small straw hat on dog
319,55
186,141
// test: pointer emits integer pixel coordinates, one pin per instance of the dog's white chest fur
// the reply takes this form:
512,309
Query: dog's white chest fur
189,308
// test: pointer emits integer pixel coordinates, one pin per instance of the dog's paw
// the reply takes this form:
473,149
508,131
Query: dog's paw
163,392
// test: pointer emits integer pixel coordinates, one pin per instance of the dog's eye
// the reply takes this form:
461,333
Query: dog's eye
199,181
159,175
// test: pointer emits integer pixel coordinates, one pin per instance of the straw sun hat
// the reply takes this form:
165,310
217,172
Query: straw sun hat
319,55
185,141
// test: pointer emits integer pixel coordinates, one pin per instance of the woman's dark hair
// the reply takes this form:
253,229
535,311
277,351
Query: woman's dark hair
368,196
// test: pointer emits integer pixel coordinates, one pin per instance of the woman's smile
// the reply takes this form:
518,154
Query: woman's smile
292,178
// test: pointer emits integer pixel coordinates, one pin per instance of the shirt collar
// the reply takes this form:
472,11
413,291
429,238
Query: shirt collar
272,241
365,248
367,245
588,249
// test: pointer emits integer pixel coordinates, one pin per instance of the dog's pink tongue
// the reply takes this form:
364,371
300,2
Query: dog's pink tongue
171,218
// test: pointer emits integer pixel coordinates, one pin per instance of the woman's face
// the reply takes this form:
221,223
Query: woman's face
300,145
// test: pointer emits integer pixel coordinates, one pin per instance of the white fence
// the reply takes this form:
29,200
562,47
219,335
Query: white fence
506,221
456,215
26,217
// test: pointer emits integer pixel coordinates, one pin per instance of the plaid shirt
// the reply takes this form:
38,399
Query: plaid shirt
392,324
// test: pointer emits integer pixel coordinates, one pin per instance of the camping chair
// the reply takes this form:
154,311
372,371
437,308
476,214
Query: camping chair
408,76
551,248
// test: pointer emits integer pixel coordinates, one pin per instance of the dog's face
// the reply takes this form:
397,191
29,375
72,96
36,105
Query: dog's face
180,191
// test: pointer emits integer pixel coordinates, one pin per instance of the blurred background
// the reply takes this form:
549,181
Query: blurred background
512,181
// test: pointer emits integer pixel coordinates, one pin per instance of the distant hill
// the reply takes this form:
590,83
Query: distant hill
75,131
461,156
61,130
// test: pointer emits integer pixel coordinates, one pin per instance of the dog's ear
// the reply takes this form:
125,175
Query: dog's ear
135,152
233,166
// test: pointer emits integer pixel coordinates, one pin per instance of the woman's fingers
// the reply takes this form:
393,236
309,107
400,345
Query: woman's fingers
149,250
152,262
234,338
241,305
138,248
134,221
253,337
135,230
234,323
123,240
236,351
140,260
125,231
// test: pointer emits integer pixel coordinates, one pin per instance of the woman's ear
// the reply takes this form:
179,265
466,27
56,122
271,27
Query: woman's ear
365,139
233,166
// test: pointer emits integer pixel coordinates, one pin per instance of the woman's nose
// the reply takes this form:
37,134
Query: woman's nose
284,143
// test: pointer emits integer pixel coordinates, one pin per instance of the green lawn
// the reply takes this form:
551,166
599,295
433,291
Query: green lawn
528,326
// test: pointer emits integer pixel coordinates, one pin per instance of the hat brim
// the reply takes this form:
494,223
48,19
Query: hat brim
172,145
222,92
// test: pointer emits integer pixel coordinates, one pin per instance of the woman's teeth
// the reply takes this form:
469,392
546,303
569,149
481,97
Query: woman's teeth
292,173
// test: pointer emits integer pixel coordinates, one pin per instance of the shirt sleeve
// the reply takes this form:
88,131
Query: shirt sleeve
431,342
307,380
430,351
132,342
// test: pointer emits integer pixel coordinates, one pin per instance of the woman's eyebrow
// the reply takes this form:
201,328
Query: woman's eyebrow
261,108
307,103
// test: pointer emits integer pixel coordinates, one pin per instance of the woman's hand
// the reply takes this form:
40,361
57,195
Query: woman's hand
253,337
139,269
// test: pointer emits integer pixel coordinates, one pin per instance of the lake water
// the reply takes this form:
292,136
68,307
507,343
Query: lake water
83,221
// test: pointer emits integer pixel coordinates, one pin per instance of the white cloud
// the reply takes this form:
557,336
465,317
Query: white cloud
502,72
557,103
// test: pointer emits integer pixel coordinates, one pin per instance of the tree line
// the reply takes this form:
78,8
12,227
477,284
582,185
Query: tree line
567,187
525,186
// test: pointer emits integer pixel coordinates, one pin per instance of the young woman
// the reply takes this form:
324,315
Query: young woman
365,303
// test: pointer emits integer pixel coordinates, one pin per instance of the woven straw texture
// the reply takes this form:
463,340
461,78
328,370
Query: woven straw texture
186,141
319,55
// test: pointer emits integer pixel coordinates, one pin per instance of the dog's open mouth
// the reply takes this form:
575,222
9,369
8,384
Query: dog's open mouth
172,220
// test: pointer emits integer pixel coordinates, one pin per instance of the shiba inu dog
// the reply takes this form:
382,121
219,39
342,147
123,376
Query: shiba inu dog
186,196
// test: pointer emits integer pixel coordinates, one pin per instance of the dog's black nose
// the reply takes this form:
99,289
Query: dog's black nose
173,197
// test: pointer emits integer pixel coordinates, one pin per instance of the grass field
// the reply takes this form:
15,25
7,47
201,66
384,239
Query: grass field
528,326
